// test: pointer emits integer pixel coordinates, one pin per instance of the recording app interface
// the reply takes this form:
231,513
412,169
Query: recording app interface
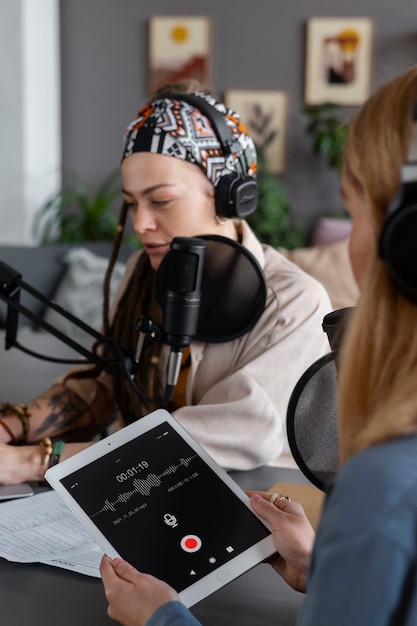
163,509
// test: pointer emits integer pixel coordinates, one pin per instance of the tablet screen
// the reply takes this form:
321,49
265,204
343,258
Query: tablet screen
163,509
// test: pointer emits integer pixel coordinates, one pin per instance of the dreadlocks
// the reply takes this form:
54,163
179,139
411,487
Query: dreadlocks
138,299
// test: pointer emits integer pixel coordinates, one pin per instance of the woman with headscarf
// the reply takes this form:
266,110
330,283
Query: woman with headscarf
189,169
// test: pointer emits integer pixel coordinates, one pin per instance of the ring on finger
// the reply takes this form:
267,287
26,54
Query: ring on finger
276,497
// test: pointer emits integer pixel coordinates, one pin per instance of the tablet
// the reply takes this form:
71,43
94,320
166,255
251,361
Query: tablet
153,496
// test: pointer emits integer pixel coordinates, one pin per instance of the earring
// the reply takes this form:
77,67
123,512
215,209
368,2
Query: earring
221,220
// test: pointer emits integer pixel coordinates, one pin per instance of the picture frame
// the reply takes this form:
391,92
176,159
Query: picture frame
179,48
264,113
338,60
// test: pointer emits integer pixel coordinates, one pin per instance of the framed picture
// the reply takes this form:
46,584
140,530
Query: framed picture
179,48
264,114
338,60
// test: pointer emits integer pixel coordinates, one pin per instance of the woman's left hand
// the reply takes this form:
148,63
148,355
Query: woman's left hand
292,534
132,596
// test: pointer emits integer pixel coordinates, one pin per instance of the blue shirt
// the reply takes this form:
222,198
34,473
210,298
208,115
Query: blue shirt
172,614
364,564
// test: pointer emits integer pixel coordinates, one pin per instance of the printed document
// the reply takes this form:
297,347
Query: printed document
42,529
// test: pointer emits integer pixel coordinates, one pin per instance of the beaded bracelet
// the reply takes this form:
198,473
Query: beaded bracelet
22,413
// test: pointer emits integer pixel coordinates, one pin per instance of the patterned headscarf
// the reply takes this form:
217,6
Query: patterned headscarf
176,128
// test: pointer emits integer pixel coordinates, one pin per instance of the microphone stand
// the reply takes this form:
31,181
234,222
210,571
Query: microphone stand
119,364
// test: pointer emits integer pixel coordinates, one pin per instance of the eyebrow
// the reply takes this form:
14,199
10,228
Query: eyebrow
149,190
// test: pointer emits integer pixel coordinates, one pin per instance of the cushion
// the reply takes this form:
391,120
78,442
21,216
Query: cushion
330,229
42,267
80,291
330,265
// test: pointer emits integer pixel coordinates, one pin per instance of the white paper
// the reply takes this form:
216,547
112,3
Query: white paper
42,529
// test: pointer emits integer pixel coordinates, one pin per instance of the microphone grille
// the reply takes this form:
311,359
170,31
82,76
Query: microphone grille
182,271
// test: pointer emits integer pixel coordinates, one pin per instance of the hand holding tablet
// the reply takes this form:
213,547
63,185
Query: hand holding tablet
151,495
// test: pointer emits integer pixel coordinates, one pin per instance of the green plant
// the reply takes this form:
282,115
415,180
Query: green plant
272,221
328,131
79,213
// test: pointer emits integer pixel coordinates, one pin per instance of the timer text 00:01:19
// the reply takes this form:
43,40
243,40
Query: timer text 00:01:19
132,471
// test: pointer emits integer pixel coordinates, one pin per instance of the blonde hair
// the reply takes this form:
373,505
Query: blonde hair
378,370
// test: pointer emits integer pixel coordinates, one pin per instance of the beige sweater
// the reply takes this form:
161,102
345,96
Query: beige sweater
238,391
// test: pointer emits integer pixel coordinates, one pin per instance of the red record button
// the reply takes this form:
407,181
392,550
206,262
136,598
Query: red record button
191,543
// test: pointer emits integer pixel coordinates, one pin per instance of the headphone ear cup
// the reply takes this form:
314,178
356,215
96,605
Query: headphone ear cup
236,196
398,248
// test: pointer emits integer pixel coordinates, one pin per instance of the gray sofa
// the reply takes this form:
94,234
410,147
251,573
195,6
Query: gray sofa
71,275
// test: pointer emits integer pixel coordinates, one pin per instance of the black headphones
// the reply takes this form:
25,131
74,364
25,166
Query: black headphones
398,242
236,195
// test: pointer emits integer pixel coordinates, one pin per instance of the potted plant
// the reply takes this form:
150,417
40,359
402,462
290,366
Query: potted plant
328,128
80,213
272,221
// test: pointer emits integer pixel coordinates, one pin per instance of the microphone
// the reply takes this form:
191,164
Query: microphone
181,271
334,325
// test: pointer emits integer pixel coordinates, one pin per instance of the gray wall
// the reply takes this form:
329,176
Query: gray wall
256,45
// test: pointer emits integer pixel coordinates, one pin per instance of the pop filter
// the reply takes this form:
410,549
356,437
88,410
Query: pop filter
312,410
233,290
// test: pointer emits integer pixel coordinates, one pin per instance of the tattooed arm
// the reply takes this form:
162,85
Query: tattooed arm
56,412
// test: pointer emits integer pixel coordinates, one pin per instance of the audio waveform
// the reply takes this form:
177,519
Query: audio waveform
143,485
